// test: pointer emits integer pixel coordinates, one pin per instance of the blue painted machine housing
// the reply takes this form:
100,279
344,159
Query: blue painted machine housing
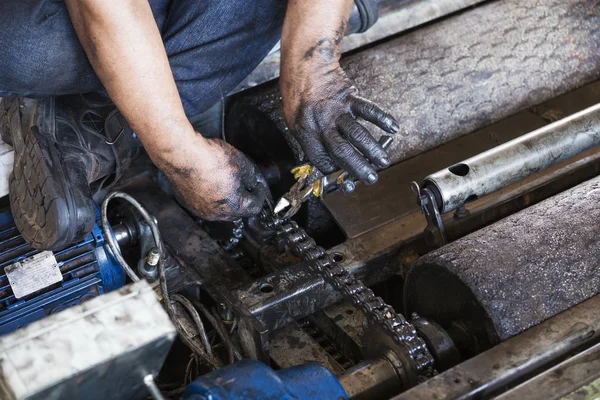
88,269
253,380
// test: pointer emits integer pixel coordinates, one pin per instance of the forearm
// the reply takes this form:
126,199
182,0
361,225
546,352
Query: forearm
321,106
311,39
124,46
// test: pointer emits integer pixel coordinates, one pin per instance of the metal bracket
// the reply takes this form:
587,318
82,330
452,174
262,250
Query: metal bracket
435,233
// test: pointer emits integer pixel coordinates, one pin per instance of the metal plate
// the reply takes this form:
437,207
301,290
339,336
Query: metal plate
100,349
32,274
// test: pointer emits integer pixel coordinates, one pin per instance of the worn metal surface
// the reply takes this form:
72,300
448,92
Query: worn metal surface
344,323
281,297
371,380
474,68
330,337
567,377
517,272
191,245
292,346
208,265
508,363
395,16
511,162
587,392
101,349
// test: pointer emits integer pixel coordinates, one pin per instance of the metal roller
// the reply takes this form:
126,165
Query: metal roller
510,276
515,160
452,77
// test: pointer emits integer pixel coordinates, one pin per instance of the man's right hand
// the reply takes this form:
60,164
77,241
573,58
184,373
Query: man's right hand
211,178
215,181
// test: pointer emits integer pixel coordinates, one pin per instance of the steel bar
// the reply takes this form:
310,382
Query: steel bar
371,380
508,363
516,273
391,198
513,161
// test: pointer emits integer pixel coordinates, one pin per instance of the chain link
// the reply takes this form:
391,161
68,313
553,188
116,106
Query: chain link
375,309
230,244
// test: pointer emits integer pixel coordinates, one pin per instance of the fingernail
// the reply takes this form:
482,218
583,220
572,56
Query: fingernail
385,161
372,177
395,127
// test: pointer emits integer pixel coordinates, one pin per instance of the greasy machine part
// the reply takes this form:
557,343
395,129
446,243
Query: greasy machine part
498,369
417,361
514,274
515,160
473,68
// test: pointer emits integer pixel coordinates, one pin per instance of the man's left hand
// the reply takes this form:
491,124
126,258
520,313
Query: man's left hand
323,116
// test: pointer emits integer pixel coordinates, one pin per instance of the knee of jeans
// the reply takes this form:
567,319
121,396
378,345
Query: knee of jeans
43,56
41,70
266,17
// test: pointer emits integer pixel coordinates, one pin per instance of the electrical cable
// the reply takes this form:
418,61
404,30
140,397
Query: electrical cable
197,320
169,304
221,331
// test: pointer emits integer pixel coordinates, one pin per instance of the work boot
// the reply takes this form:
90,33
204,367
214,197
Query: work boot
66,149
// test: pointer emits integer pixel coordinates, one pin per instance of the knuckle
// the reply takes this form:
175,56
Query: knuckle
359,133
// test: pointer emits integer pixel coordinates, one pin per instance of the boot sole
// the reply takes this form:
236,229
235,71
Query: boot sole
40,198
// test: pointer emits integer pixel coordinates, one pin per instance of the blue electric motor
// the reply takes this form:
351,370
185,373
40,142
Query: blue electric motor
253,380
88,269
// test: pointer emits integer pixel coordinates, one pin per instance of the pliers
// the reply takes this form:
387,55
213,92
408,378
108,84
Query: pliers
298,193
301,191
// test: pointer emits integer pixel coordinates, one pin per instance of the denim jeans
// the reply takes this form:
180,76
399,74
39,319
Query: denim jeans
212,46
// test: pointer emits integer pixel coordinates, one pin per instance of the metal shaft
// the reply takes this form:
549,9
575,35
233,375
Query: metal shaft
515,160
371,380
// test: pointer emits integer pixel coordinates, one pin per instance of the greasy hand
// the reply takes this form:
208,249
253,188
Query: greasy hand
218,183
323,117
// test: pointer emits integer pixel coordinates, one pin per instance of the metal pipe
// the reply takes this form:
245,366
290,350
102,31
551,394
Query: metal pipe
123,235
371,380
506,364
153,388
515,160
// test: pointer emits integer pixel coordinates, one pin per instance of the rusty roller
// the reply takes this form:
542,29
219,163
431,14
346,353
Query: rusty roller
512,275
